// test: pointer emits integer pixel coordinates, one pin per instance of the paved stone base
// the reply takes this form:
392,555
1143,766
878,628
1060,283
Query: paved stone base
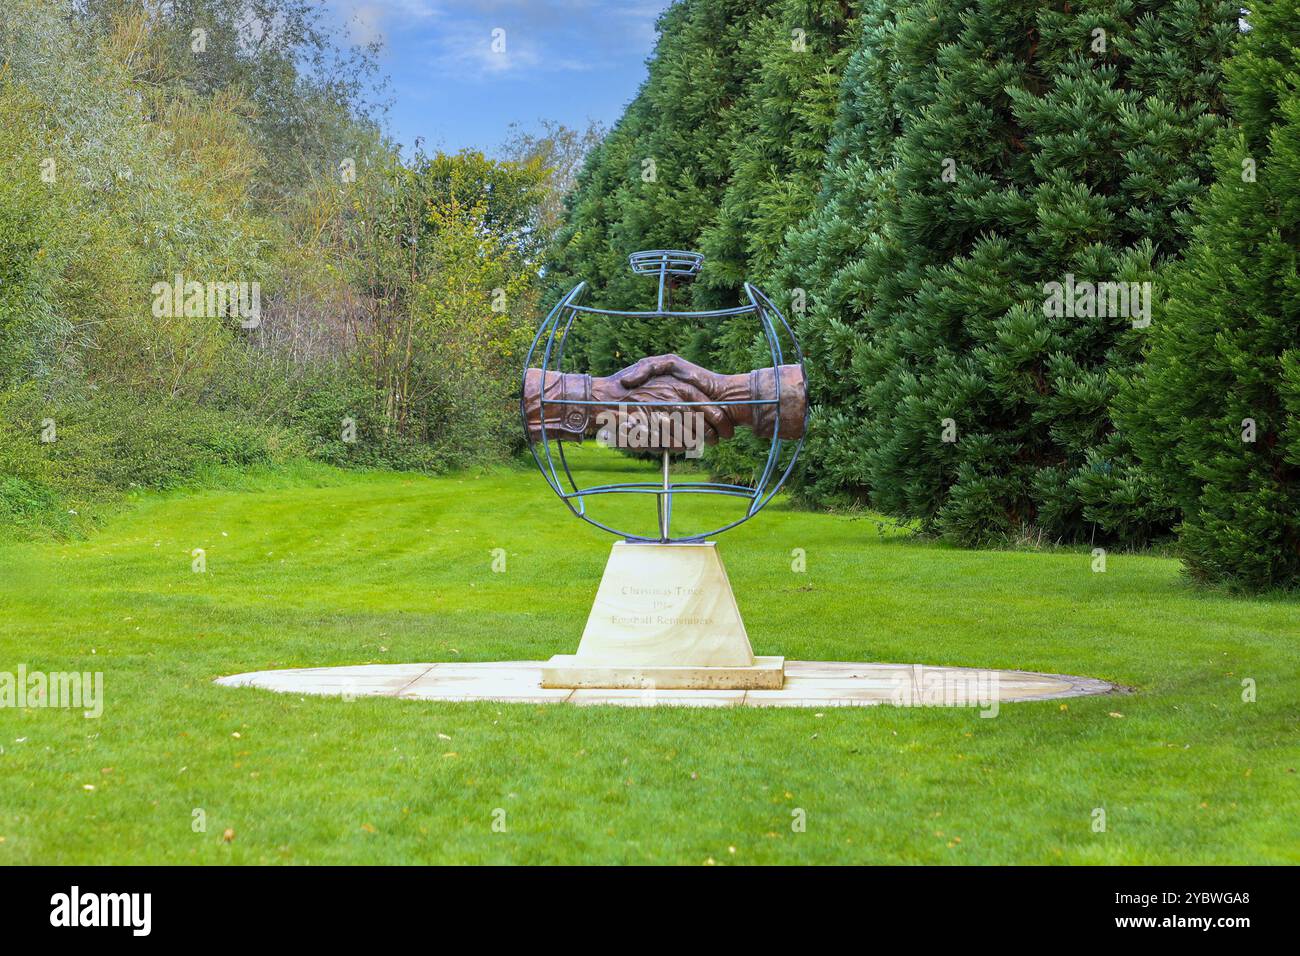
568,670
807,684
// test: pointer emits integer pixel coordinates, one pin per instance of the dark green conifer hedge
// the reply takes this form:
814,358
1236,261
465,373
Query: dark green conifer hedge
1214,413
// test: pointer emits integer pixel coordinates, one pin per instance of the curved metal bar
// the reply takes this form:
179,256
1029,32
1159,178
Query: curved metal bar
710,314
568,473
551,321
684,484
679,262
774,451
559,368
716,531
658,490
669,403
769,304
784,475
691,488
604,527
523,408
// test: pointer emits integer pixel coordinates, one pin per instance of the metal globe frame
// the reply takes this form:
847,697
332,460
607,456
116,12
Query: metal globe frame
671,267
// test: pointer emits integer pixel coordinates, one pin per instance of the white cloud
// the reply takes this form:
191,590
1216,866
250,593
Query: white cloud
369,20
542,36
471,50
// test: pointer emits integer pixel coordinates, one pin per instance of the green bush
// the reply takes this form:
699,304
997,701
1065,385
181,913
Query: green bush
99,447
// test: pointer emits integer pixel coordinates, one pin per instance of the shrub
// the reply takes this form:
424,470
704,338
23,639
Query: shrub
102,446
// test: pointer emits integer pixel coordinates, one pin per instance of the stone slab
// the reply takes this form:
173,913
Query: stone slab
572,671
655,697
365,680
818,684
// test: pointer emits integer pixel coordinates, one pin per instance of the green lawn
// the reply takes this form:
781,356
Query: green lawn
325,567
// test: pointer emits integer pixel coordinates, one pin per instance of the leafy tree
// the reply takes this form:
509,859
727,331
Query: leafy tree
111,205
101,196
559,150
309,96
435,257
40,251
1214,414
475,308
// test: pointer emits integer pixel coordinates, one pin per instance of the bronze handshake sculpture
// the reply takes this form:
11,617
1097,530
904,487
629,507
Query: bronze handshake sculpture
578,405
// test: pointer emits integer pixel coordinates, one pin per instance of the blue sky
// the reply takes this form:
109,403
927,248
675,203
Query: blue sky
568,60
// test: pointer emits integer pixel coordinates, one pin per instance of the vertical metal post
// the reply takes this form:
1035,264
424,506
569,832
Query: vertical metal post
665,503
666,498
665,290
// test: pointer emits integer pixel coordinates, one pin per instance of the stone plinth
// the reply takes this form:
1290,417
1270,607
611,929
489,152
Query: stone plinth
665,617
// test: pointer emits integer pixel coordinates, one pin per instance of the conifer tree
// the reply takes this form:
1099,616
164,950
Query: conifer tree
797,53
1214,414
785,118
657,181
835,267
721,153
1059,145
